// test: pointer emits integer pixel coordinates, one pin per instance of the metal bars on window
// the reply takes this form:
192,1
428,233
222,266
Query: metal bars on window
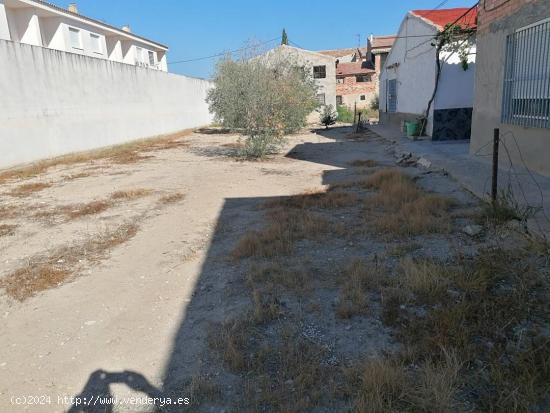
526,95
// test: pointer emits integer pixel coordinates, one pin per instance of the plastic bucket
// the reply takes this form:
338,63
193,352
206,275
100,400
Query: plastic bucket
412,128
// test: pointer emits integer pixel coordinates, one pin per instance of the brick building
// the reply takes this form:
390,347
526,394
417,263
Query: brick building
357,71
512,84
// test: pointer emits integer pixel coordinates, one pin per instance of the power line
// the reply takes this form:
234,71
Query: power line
224,53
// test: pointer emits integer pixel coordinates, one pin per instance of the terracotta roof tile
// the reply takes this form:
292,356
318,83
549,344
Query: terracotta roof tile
382,42
355,68
440,18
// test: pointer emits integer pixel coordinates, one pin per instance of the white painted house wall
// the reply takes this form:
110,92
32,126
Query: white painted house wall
413,61
41,24
53,103
456,85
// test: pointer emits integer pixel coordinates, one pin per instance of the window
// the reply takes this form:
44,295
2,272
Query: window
391,99
139,54
526,95
74,37
96,43
319,72
151,57
339,100
340,80
362,97
321,98
362,78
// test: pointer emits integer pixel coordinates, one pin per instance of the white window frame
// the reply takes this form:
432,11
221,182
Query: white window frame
95,41
139,54
151,57
78,33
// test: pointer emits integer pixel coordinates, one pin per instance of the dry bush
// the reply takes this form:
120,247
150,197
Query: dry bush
202,389
171,198
315,199
368,163
9,211
81,210
266,307
387,385
402,208
79,175
357,278
230,339
376,386
131,194
7,229
44,272
286,226
28,189
424,278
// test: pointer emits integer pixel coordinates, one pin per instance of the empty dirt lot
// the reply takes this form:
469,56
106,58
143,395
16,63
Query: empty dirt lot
325,278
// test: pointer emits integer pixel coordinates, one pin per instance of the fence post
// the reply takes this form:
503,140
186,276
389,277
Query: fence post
494,187
354,112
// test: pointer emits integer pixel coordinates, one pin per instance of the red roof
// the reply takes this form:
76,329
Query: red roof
383,42
355,68
440,18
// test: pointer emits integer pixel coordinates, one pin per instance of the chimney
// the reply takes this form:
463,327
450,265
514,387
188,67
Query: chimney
72,8
127,28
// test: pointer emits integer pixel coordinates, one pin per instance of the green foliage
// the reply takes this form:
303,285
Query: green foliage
374,103
264,99
328,116
344,114
284,38
455,39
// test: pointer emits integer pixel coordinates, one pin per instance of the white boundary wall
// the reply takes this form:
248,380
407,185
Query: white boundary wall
53,103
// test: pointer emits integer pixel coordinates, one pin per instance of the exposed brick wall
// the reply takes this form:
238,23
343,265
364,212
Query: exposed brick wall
493,10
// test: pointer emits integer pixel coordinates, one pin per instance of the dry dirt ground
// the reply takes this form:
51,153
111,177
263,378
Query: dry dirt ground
290,284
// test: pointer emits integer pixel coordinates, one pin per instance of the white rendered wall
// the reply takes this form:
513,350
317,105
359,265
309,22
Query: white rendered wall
55,103
4,28
456,85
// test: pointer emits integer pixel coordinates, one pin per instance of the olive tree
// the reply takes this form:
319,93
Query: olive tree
262,98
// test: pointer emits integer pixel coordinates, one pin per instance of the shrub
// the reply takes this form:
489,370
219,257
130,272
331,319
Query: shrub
264,97
328,116
374,103
344,114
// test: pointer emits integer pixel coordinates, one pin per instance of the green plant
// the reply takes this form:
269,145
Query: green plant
375,103
344,114
284,38
328,116
265,97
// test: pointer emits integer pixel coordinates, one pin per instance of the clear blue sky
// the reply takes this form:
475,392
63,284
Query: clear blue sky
197,28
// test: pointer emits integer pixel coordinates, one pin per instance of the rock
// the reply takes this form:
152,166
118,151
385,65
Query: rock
423,162
472,230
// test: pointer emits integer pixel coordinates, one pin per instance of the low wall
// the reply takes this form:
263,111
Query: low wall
53,103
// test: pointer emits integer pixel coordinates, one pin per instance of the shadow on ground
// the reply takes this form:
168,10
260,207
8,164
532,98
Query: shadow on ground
218,293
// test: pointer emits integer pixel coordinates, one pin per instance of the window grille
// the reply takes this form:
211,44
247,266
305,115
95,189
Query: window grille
319,72
526,95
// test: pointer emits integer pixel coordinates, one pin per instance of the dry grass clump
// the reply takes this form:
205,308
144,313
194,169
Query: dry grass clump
72,177
131,194
357,278
7,229
171,198
424,278
45,272
273,276
368,163
494,312
286,374
315,199
403,208
81,210
28,189
387,385
9,211
286,226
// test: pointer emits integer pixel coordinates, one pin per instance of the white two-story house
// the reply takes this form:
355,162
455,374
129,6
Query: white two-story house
39,23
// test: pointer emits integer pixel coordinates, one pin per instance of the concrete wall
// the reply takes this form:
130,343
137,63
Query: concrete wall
533,144
53,103
412,62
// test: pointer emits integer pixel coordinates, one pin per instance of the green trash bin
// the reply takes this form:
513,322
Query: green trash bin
412,128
